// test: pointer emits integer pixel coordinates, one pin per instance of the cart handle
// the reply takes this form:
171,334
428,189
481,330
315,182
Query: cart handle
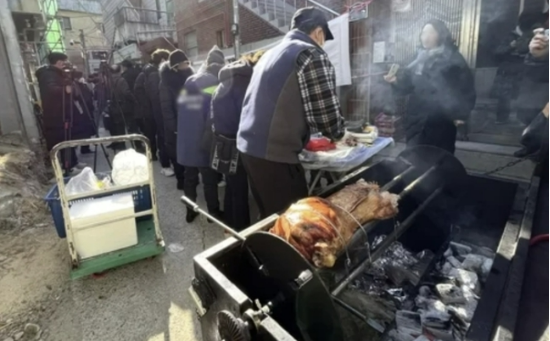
54,153
77,143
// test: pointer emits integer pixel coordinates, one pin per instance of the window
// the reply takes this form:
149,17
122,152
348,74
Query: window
220,38
191,45
66,23
170,12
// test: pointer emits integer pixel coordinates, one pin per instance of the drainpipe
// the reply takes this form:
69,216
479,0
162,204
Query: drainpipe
235,30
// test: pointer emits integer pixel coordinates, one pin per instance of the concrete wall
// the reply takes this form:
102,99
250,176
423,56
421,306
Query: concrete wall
28,6
16,111
9,111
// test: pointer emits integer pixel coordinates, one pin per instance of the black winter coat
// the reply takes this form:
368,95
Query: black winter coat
122,97
146,91
510,69
442,92
143,104
130,75
171,84
59,108
82,126
227,101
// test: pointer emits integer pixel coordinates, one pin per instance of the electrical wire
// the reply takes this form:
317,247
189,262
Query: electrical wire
539,239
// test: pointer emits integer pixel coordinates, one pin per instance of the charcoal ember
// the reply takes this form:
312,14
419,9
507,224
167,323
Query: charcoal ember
408,323
454,262
449,293
422,338
466,279
399,265
379,307
435,315
486,268
425,291
447,268
448,253
398,294
441,334
378,240
460,250
473,263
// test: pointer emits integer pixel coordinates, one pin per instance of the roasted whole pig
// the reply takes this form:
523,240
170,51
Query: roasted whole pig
321,228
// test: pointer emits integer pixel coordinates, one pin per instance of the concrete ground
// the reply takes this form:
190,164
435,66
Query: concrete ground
144,301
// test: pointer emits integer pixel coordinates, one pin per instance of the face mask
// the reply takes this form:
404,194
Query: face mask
320,38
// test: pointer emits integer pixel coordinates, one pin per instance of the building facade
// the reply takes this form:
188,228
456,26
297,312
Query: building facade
83,33
135,28
203,23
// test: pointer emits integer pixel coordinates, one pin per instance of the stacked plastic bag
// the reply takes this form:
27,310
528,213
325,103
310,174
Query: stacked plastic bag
129,167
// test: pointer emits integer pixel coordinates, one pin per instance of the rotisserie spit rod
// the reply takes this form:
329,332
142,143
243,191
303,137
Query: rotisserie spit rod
384,244
197,209
360,235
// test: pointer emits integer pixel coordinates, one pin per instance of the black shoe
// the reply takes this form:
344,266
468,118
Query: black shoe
191,215
180,185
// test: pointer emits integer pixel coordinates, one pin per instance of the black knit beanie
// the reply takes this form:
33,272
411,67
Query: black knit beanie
176,57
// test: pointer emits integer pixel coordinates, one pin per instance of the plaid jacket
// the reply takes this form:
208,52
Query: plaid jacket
317,81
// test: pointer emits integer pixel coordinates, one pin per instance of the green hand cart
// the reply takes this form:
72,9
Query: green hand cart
150,242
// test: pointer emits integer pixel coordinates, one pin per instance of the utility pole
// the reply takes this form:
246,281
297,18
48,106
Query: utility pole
86,61
235,29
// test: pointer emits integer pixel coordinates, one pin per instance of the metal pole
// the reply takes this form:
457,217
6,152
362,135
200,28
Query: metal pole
236,30
84,52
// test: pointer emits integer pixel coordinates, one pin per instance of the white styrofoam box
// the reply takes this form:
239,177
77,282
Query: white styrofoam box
108,235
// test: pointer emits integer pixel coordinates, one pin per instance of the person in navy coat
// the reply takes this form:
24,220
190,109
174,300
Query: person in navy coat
193,113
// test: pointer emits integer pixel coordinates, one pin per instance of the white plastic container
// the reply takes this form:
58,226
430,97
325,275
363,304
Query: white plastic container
93,231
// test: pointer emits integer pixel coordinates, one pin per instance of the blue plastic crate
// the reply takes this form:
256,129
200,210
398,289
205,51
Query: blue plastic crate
141,195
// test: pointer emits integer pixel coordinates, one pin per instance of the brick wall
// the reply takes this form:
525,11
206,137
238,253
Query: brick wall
210,16
336,5
254,28
207,17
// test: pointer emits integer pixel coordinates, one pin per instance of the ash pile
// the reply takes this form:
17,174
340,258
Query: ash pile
410,296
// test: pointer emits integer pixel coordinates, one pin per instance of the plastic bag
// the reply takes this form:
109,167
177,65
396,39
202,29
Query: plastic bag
130,167
84,182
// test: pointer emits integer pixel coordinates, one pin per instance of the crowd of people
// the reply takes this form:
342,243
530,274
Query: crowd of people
247,121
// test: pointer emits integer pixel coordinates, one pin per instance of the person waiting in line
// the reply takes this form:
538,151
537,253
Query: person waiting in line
292,93
510,54
56,93
193,113
441,89
227,104
129,72
83,116
121,108
173,74
146,90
